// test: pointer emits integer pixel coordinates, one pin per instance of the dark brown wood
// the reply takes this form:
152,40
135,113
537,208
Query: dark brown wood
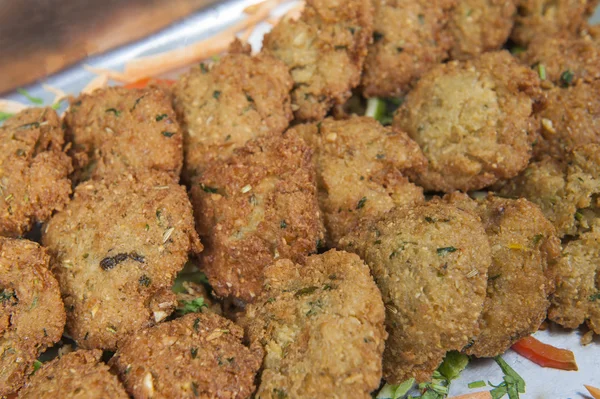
41,37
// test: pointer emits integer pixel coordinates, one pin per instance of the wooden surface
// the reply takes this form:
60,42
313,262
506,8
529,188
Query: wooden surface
41,37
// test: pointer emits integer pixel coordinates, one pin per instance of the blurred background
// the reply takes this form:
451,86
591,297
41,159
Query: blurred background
41,37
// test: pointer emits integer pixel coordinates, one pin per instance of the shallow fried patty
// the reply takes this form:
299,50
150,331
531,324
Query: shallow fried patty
521,277
473,120
33,170
80,374
431,264
478,26
566,191
116,250
570,119
118,130
222,107
32,315
577,297
198,355
359,169
409,38
325,50
255,207
321,326
538,18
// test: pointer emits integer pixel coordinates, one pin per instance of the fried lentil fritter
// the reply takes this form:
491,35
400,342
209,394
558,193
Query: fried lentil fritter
32,315
565,60
410,37
521,277
478,26
325,50
197,356
118,130
431,264
473,120
79,374
577,297
570,119
359,168
539,18
257,206
567,192
222,107
116,250
322,327
33,170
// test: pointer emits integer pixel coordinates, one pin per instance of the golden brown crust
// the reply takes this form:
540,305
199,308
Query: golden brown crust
478,26
410,37
570,119
539,18
359,167
473,120
524,249
33,170
257,206
76,375
116,250
566,191
117,130
197,356
577,297
431,264
32,315
579,55
222,107
325,50
321,325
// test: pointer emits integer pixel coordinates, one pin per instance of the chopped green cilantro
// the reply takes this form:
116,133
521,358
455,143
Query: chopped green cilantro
361,203
454,363
445,250
193,306
32,99
566,78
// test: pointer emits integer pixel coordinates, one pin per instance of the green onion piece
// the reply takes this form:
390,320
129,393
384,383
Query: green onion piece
477,384
375,108
34,100
541,71
510,372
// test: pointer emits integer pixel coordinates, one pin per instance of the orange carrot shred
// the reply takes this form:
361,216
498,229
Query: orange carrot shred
595,392
474,395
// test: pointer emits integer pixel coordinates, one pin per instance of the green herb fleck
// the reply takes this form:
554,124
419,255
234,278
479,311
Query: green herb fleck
203,67
196,324
145,281
4,116
361,203
32,99
280,393
377,36
37,365
429,219
114,111
476,384
216,94
194,352
511,373
537,238
85,256
168,134
6,295
595,296
445,250
195,389
305,291
283,224
161,117
421,19
193,306
208,189
566,78
579,216
541,69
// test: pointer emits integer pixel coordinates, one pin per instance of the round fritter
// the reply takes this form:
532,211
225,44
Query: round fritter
119,130
431,264
325,50
410,37
473,120
116,250
222,107
478,26
565,60
32,315
521,278
359,168
322,327
570,119
567,192
259,205
79,374
577,296
33,170
537,18
197,356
